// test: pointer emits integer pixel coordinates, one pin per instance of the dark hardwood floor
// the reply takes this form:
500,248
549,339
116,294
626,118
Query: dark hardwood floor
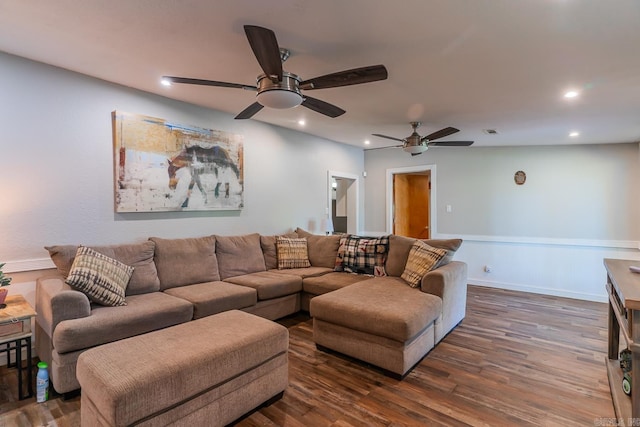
517,359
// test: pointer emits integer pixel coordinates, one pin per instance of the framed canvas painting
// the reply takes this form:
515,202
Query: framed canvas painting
165,166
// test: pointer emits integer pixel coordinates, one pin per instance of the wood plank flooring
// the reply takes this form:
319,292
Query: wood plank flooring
518,359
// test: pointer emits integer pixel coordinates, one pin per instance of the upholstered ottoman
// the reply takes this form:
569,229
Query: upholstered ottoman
381,321
209,371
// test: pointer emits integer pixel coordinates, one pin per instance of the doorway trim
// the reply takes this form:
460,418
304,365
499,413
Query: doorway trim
432,202
353,203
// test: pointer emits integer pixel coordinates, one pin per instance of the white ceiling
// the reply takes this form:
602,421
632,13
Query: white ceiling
471,64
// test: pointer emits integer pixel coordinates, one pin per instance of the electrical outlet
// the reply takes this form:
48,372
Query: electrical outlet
487,269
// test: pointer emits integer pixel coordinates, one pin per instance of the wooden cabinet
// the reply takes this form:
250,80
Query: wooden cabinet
623,288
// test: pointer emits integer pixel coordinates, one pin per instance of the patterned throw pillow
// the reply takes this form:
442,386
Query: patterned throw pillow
340,256
103,279
365,255
422,259
292,253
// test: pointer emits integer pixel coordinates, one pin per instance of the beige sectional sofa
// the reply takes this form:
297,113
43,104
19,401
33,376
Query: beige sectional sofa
178,280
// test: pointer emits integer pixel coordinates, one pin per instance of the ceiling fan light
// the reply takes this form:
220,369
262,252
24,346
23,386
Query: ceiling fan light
415,149
280,94
278,98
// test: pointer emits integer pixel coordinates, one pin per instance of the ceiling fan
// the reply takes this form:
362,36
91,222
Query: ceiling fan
416,144
280,89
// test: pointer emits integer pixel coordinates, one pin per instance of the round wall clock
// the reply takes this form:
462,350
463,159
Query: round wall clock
520,177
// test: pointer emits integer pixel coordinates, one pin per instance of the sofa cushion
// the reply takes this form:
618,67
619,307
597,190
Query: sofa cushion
323,250
400,246
137,255
268,245
382,306
365,255
214,297
99,277
186,261
422,259
238,255
319,285
142,314
292,253
450,245
305,272
269,284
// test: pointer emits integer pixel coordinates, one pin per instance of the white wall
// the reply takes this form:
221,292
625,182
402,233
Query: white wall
56,170
578,206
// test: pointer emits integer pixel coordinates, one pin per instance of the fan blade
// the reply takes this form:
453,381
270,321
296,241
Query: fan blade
265,47
348,77
382,148
249,112
450,144
322,107
388,137
207,83
440,134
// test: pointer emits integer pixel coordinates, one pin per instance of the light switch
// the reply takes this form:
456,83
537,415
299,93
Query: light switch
448,208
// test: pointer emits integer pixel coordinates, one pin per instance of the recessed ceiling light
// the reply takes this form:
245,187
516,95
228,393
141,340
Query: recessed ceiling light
571,94
301,122
367,142
574,134
165,82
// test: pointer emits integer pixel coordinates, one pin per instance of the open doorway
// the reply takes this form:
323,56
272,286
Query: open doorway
410,201
342,207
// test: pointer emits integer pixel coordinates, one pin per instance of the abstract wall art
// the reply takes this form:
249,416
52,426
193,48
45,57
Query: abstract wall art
164,166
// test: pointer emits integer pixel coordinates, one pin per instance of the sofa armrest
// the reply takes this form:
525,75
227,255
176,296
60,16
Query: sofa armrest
56,301
448,282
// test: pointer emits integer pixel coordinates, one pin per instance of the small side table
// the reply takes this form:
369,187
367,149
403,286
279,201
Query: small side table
15,334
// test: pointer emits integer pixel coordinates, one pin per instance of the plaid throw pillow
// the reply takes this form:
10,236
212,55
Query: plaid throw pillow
292,253
422,259
365,255
103,279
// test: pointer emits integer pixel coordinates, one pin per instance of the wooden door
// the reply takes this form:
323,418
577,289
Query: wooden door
411,193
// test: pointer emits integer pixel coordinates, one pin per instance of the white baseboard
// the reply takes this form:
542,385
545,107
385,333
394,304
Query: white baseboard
538,290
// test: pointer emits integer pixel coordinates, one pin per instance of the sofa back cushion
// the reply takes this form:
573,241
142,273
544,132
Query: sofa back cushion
450,245
400,246
187,261
238,255
323,250
138,255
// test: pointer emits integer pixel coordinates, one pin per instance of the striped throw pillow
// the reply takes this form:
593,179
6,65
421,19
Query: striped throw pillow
422,259
103,279
292,252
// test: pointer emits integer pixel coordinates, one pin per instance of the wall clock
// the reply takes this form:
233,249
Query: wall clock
520,177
